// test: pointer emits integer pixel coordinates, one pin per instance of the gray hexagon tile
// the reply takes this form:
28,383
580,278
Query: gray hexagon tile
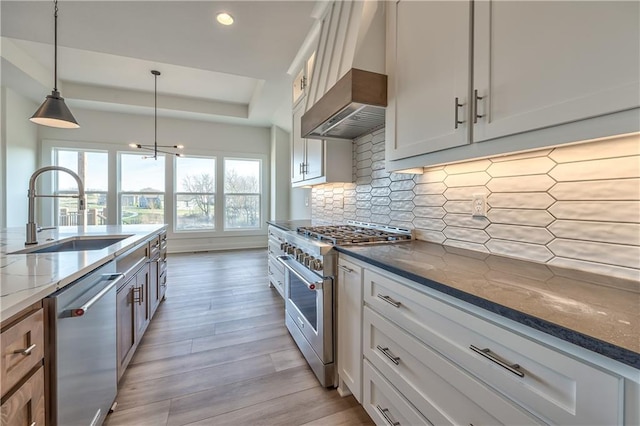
377,174
609,211
430,188
380,210
378,165
380,201
467,167
610,168
477,236
363,180
400,176
377,156
532,183
364,164
402,205
363,196
606,232
365,155
402,185
363,188
430,224
378,147
614,189
363,205
401,195
528,166
431,236
458,207
363,147
431,176
431,212
525,234
624,146
383,191
401,216
429,200
364,173
467,179
466,245
520,217
466,221
380,218
519,250
465,193
520,200
627,256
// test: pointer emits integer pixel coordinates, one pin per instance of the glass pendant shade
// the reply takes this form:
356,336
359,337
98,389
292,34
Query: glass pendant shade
54,113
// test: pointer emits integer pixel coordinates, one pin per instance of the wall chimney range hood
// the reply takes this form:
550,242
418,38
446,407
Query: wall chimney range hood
353,107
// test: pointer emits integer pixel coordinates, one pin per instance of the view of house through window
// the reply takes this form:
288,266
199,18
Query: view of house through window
195,188
92,167
141,189
242,193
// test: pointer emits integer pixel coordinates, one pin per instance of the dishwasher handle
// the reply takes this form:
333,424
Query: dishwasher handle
114,278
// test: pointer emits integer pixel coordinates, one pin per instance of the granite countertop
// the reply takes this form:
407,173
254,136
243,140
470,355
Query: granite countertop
28,278
596,312
291,225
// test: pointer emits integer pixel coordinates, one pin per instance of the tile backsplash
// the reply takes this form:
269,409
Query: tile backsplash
575,206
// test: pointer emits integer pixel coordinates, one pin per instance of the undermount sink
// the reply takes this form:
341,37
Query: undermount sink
75,244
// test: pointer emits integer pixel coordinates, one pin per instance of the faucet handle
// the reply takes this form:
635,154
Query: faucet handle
44,228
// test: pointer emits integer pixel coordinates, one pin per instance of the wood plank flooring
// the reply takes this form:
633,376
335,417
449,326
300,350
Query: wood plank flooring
217,352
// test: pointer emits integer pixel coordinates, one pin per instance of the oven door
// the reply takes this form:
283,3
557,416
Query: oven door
309,305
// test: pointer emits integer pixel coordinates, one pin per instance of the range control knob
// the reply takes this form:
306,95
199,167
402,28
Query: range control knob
289,249
316,265
308,261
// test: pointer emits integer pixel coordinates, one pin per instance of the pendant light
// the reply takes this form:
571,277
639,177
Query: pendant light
54,112
155,145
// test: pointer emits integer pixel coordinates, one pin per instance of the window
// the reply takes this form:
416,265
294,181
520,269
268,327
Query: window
242,193
141,189
92,167
195,189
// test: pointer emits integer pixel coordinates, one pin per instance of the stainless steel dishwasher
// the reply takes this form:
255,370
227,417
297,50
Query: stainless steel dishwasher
82,335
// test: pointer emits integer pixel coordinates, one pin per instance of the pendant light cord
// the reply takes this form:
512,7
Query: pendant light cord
155,115
55,46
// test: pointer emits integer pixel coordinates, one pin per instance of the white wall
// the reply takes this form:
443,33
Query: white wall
19,156
300,207
280,174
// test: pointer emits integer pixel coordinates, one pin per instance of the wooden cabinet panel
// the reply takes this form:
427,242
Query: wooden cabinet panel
22,349
26,406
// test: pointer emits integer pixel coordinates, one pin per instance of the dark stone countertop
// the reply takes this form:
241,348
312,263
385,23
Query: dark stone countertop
291,225
596,312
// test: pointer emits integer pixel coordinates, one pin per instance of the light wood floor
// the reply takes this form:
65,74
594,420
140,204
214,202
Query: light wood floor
217,352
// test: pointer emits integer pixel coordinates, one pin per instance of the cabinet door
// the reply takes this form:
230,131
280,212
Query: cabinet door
141,303
298,86
26,406
298,145
125,327
154,284
539,64
350,326
428,67
314,162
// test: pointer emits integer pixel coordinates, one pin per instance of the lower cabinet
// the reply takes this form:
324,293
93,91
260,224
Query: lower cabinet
26,406
349,305
412,355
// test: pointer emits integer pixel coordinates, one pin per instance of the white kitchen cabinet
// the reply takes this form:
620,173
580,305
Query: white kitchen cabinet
539,64
316,161
428,70
302,80
540,381
275,269
542,73
349,306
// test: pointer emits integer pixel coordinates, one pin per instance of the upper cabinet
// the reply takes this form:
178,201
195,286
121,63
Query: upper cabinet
303,79
428,69
513,75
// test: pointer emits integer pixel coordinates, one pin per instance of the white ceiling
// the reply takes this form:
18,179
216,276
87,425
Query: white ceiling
207,69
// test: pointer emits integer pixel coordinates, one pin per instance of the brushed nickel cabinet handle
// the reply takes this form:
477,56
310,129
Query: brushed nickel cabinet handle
457,120
387,416
385,351
344,268
486,352
389,300
33,424
475,106
25,352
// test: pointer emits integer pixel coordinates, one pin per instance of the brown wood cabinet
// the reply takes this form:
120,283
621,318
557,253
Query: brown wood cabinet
140,295
22,368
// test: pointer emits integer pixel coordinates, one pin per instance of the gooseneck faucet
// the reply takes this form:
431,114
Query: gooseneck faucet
31,224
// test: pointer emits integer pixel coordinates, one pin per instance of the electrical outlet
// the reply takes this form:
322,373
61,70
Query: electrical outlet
479,205
306,201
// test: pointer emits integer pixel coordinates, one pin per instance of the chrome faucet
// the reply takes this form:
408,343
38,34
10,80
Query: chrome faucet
32,228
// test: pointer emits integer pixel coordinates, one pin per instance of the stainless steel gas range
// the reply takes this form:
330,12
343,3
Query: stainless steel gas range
310,263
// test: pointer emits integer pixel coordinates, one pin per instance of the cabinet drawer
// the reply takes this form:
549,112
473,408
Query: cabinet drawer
132,260
276,274
553,386
154,246
26,406
384,404
22,349
442,392
274,248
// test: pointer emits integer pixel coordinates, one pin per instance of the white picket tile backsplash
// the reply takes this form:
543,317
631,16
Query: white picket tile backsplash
575,206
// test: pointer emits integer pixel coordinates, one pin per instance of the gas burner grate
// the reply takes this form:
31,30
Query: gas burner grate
351,234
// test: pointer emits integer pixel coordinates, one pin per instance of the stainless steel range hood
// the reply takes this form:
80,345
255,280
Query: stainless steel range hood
354,106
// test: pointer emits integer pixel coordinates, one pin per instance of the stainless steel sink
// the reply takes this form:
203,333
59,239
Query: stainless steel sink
75,244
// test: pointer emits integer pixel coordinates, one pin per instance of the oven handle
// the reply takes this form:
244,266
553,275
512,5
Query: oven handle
313,285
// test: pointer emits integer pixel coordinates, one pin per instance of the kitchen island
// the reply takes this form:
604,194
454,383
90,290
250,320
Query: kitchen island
28,278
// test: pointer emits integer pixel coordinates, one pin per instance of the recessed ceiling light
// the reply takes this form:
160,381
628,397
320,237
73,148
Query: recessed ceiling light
224,18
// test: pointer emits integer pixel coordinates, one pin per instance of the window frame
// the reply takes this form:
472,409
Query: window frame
259,194
121,192
216,205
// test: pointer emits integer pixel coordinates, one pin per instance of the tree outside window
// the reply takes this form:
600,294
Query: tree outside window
195,193
242,193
